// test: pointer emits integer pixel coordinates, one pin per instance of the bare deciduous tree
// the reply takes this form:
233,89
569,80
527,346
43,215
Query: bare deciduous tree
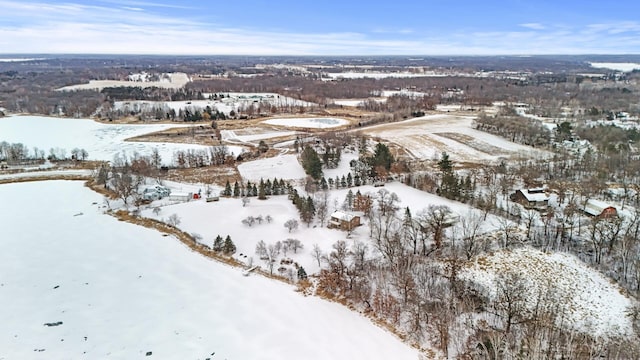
291,224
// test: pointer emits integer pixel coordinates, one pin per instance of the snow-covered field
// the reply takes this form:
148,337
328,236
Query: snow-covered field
109,289
428,136
590,302
379,75
252,135
175,81
101,141
356,102
228,214
284,167
315,123
230,101
624,67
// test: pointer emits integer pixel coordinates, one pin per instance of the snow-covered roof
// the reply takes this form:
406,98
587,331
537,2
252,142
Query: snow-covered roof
343,216
595,207
534,195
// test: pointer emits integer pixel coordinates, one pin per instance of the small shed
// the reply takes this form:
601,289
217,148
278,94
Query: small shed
534,198
344,221
601,209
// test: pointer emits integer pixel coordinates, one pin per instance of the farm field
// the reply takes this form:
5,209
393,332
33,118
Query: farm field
175,81
84,285
428,136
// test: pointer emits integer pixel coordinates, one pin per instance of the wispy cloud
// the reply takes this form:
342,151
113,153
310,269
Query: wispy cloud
403,31
149,4
533,26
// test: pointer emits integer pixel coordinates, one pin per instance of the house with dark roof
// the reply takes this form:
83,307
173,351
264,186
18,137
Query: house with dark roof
534,198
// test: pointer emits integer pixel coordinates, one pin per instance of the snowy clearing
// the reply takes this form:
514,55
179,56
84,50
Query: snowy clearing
252,135
230,102
349,102
102,141
229,212
591,303
174,81
284,167
315,123
83,285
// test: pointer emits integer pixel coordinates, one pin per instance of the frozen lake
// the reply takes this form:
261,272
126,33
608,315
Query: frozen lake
83,285
317,123
102,141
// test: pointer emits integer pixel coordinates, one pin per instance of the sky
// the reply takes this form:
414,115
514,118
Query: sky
327,27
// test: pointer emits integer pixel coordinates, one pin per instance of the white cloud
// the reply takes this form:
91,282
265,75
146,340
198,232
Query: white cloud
392,31
534,26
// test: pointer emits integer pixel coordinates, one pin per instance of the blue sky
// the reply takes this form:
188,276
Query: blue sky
327,27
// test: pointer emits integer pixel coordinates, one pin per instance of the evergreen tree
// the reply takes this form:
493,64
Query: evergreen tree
229,247
261,191
323,184
302,274
218,243
356,180
449,185
236,190
254,190
348,200
267,188
381,157
349,180
343,182
307,210
227,189
311,162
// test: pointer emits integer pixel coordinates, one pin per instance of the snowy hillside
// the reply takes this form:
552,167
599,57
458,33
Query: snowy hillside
589,302
75,283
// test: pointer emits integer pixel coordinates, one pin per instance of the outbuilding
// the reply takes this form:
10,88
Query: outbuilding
601,209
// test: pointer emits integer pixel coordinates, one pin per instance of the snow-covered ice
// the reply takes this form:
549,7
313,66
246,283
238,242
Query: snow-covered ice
316,123
102,141
119,291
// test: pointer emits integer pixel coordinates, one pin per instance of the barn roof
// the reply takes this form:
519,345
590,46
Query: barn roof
596,207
